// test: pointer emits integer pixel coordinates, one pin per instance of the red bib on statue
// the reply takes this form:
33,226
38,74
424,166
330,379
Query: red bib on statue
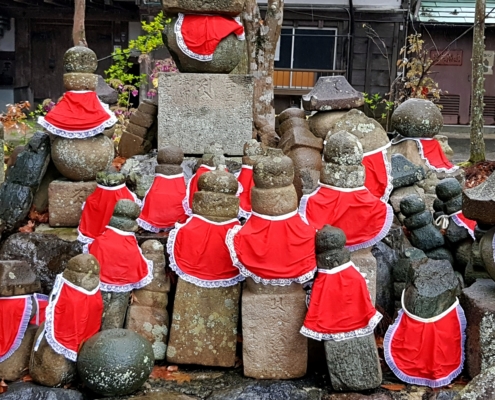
199,35
192,187
79,115
41,301
162,204
98,209
122,265
274,250
427,352
378,178
364,218
462,221
72,317
199,255
432,153
340,305
246,181
15,313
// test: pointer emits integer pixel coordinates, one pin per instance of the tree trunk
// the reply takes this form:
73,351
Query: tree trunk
78,32
261,38
477,148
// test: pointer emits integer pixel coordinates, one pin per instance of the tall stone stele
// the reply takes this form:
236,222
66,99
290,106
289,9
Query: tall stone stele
272,315
353,364
204,321
47,367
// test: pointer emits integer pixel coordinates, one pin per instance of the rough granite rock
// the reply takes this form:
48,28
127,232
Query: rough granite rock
321,122
46,254
16,366
398,194
478,302
115,308
478,203
105,92
29,391
404,172
482,387
17,278
386,259
80,59
417,118
227,55
332,93
82,159
80,81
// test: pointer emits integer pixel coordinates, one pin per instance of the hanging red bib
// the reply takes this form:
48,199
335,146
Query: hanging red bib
98,209
246,181
122,264
199,35
15,313
274,250
432,153
72,317
79,115
427,352
199,255
192,187
364,218
340,305
464,222
378,173
41,301
162,203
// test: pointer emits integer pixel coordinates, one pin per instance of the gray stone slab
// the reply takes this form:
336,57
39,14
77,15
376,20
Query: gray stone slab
197,109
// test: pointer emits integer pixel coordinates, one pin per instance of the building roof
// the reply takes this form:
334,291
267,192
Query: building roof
451,11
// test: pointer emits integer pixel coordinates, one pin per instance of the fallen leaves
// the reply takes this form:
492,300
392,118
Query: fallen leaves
35,216
3,387
27,378
394,387
118,162
478,173
169,373
28,228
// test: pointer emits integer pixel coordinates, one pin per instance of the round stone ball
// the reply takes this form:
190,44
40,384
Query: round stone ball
82,159
115,362
343,148
80,59
417,118
412,204
448,188
219,182
273,170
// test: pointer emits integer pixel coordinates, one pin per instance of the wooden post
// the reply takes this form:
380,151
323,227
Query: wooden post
78,32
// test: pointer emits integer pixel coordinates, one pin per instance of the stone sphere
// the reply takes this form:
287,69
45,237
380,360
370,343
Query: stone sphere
115,362
274,170
219,182
412,204
82,159
417,118
80,59
170,155
343,148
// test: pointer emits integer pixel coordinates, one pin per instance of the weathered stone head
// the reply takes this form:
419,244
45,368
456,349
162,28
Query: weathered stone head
342,154
110,178
273,194
124,216
80,63
216,199
169,160
213,155
83,270
252,150
417,118
449,191
330,250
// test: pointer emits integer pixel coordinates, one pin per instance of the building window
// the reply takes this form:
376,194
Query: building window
304,49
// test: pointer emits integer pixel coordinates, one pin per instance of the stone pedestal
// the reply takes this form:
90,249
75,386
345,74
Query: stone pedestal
65,199
354,364
478,302
14,367
272,346
204,325
366,262
195,109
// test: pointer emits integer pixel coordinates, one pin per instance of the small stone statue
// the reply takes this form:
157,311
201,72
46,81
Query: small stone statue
122,265
340,312
72,316
206,306
252,151
162,204
99,206
273,302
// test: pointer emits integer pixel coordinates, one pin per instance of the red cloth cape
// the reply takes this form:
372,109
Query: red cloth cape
41,304
15,313
98,209
80,114
246,181
464,222
72,317
340,305
162,203
192,187
199,35
122,264
432,153
364,218
427,352
199,255
378,170
274,250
